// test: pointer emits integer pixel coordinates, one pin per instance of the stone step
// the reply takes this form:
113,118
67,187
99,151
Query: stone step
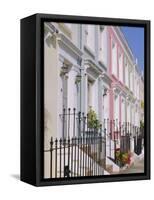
109,168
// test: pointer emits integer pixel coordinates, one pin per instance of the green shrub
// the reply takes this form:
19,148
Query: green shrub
142,104
93,122
141,124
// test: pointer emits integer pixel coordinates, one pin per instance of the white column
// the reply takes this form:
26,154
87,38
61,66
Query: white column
86,93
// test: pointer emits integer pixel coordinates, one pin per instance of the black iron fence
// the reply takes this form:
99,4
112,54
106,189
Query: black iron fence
83,148
75,124
139,141
76,156
123,140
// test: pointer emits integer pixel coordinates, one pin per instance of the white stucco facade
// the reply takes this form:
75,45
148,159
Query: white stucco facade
79,61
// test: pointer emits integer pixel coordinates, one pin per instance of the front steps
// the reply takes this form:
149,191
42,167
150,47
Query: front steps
85,163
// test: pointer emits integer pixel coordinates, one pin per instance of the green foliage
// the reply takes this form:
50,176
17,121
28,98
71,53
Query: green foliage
141,124
123,158
93,122
142,104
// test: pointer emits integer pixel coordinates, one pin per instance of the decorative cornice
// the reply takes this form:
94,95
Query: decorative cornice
94,65
92,68
103,65
64,41
106,77
51,28
89,51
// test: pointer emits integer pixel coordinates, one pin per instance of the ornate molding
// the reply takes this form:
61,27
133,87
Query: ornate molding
69,45
93,67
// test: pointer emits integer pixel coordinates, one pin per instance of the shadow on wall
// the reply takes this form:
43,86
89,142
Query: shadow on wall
47,129
15,176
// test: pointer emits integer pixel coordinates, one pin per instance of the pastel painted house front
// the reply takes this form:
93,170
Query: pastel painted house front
88,67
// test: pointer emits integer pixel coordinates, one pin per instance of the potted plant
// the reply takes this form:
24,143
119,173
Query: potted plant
123,158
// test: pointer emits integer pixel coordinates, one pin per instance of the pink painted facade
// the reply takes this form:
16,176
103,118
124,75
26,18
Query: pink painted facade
116,82
121,70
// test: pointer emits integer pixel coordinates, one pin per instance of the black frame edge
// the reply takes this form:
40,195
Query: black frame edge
147,98
27,100
37,180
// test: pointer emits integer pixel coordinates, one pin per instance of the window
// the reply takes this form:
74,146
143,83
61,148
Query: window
128,112
137,90
76,34
131,81
136,116
65,101
64,90
133,115
106,104
116,107
103,45
90,87
114,58
77,96
90,37
123,111
126,72
121,67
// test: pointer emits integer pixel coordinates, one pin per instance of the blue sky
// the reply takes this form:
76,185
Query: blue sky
135,39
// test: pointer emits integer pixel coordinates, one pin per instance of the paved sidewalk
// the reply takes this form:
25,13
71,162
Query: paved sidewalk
137,167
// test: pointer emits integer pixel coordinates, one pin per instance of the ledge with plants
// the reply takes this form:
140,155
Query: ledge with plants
123,158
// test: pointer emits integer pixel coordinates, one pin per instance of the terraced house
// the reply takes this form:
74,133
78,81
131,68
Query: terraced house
94,100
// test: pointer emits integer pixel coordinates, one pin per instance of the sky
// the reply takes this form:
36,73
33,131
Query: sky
135,39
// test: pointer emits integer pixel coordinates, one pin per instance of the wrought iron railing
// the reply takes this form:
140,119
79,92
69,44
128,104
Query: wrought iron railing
75,157
82,150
